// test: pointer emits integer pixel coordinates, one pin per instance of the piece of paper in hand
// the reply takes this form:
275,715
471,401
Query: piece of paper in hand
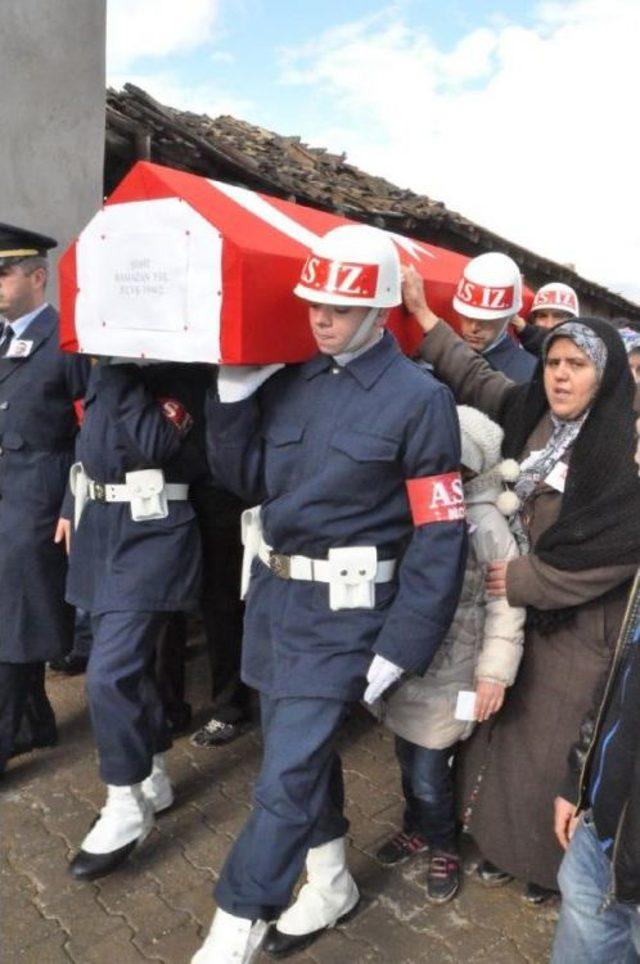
466,705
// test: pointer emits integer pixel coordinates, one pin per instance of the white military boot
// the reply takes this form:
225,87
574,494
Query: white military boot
157,787
124,822
231,940
329,897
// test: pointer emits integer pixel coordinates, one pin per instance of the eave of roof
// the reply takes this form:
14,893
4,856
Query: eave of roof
233,149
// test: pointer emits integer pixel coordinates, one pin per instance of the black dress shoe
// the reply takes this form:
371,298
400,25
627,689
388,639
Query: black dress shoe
86,866
70,665
536,895
279,945
492,876
26,745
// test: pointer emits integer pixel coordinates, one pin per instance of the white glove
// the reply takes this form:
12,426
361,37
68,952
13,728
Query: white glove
381,675
237,382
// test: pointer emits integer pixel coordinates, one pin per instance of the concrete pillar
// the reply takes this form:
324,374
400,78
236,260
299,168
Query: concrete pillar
52,108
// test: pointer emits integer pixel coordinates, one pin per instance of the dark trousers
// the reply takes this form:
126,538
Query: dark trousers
23,700
82,636
221,607
126,710
298,804
427,785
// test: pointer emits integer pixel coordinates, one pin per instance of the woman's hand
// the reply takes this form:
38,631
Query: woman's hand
63,534
489,698
565,820
414,299
496,579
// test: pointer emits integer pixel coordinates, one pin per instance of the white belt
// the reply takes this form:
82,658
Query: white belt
106,492
313,570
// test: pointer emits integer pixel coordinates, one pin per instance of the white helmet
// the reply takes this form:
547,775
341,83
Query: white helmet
352,265
490,288
556,296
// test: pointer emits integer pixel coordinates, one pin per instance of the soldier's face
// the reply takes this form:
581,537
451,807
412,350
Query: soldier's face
334,326
20,293
478,334
549,318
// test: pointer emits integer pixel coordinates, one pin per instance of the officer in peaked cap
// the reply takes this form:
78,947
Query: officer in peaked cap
38,425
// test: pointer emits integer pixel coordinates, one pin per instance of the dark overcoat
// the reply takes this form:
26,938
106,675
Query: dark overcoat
38,426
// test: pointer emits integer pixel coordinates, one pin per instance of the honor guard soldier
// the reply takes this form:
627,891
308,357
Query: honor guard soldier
487,301
553,303
355,562
38,426
135,559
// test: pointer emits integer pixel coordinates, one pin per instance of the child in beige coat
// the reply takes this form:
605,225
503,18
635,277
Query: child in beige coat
481,653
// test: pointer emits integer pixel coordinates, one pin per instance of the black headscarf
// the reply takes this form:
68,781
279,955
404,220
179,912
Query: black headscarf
599,519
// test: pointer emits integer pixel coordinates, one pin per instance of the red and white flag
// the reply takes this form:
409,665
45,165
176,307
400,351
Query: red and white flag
181,268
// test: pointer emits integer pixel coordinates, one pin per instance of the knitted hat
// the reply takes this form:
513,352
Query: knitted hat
481,440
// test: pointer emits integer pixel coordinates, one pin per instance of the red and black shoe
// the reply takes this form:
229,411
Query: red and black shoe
402,847
443,876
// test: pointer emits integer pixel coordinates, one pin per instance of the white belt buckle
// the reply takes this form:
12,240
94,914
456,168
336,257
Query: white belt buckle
148,499
352,573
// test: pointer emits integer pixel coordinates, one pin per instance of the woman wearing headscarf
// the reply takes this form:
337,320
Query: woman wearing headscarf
578,526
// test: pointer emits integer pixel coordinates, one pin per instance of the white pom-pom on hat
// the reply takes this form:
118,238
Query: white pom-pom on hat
509,470
507,502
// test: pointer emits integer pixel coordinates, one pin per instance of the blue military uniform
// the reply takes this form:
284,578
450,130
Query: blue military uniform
38,426
131,574
327,451
510,358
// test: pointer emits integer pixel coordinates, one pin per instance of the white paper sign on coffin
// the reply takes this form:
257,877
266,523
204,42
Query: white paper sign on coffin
150,282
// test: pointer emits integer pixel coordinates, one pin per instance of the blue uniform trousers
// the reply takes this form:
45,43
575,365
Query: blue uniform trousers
298,804
127,715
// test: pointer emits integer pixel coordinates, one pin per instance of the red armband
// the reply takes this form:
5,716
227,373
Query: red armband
436,498
175,412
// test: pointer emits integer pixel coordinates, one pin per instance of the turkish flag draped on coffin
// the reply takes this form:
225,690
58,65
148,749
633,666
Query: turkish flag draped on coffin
181,268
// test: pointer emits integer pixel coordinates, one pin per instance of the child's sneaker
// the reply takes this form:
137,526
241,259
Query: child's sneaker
401,847
443,876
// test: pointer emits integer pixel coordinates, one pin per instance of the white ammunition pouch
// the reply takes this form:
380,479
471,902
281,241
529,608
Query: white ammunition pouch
147,495
146,492
351,573
352,577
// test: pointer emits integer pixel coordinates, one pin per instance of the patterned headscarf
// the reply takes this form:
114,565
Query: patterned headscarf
585,339
537,466
630,338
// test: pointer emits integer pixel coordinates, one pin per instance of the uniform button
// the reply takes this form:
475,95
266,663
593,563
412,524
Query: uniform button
4,406
335,370
1,450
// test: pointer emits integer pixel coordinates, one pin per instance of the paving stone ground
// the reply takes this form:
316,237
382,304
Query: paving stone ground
159,906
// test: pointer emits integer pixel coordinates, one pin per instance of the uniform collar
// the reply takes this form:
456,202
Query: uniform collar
500,342
366,368
21,324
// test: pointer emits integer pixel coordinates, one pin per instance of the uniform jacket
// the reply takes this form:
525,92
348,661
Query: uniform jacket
559,674
327,451
604,771
508,357
38,426
484,641
116,563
